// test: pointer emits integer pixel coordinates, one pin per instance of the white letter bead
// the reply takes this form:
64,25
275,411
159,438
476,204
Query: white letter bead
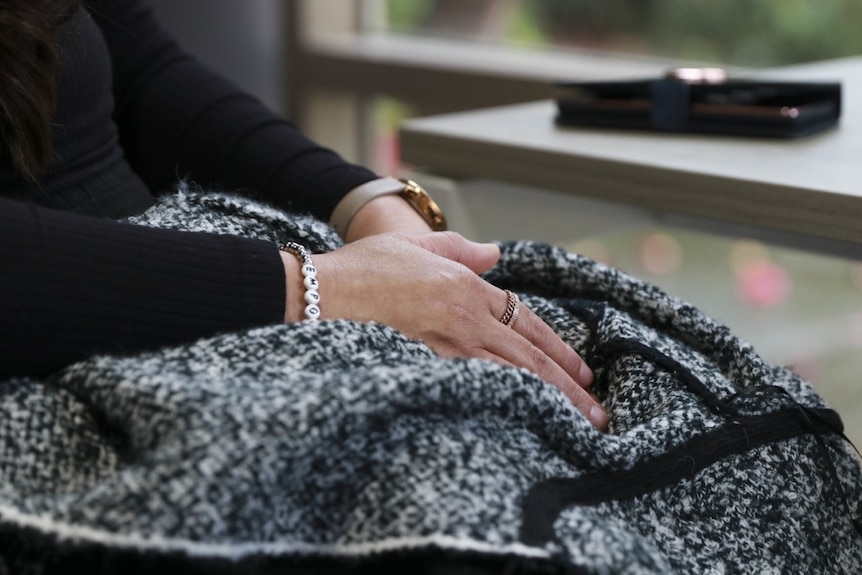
309,270
311,282
312,296
312,311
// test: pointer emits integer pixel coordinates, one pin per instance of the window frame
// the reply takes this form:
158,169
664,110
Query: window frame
335,68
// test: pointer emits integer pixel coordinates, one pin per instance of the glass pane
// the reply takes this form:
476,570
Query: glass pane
385,149
730,32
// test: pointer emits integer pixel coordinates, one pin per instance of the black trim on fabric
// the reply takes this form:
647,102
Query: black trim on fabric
28,550
546,500
613,349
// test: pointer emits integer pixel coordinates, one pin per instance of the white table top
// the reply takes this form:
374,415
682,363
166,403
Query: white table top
810,187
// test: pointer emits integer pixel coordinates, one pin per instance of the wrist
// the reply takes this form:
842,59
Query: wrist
407,192
293,304
385,214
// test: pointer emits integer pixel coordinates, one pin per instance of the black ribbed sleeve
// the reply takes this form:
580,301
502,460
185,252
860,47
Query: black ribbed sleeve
178,119
73,285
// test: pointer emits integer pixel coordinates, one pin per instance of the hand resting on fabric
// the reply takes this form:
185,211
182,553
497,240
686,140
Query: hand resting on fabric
427,286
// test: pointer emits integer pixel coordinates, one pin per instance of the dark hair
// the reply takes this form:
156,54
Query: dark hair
28,89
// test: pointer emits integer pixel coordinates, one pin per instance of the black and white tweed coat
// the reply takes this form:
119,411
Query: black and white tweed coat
346,447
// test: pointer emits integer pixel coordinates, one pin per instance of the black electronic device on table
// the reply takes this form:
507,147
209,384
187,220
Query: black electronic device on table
702,100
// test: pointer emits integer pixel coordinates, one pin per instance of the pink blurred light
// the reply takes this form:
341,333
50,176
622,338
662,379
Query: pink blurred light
660,254
763,284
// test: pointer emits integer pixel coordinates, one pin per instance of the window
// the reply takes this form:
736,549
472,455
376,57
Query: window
442,55
359,68
343,55
729,32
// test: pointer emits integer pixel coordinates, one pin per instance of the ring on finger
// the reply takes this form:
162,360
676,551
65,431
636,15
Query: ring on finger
513,308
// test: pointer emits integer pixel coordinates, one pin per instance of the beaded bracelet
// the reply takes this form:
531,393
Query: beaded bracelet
309,279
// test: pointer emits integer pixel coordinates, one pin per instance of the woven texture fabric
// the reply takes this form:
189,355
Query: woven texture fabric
340,446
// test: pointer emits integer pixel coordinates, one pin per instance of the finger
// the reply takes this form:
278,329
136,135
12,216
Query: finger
551,358
453,246
516,350
540,334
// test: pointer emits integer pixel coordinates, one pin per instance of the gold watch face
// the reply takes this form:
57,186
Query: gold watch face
427,207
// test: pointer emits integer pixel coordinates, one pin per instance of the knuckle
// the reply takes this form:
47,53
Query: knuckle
579,398
457,273
539,358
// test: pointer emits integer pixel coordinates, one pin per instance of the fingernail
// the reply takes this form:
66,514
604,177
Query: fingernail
598,417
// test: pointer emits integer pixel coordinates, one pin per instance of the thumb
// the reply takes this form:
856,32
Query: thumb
453,246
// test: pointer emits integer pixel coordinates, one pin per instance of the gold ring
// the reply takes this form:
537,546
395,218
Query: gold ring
513,308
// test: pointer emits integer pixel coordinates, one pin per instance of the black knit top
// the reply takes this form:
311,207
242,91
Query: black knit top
135,114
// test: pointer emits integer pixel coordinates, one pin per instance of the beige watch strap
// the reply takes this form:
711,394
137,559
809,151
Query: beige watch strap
358,197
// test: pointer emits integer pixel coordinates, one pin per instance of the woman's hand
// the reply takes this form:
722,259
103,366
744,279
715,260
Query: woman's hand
427,286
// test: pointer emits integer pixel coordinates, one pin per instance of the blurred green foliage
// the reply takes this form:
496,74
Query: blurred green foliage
732,32
407,15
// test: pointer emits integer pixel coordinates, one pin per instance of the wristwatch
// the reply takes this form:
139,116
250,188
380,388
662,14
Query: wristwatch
417,197
412,192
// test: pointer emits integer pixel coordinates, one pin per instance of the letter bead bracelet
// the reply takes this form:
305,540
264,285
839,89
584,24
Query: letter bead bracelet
309,279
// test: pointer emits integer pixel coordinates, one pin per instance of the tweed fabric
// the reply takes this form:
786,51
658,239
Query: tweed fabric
340,446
